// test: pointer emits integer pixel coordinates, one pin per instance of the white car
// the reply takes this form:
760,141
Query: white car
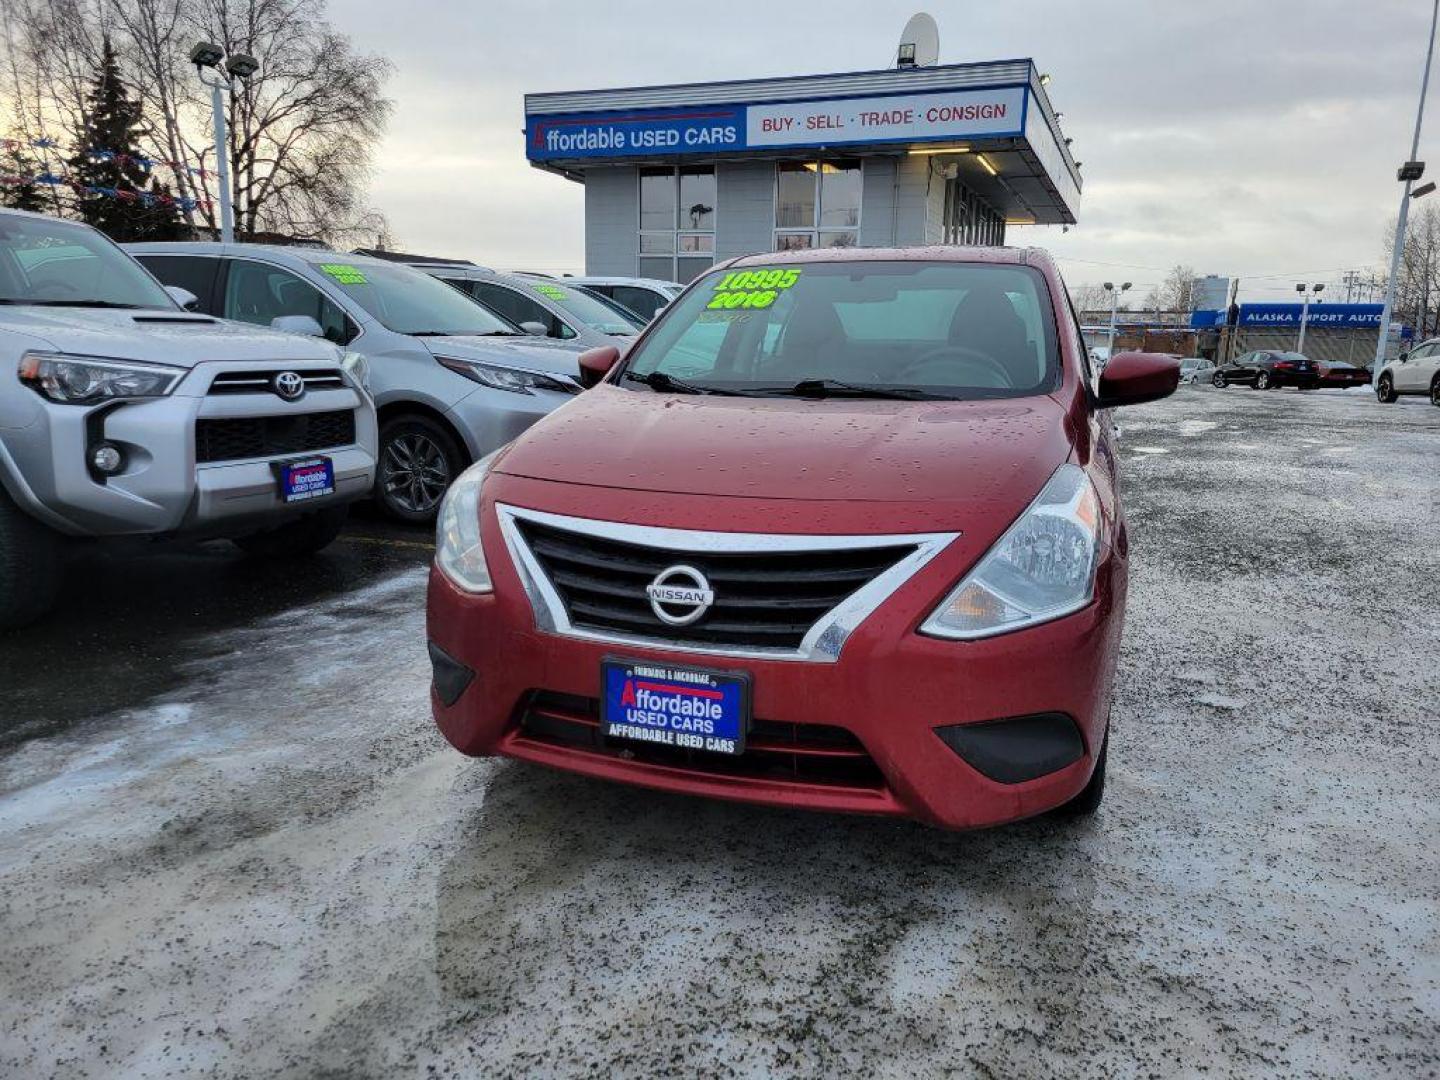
1415,372
1195,370
644,296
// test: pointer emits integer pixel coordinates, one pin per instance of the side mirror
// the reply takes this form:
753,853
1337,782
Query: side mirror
596,363
298,324
534,329
184,297
1134,377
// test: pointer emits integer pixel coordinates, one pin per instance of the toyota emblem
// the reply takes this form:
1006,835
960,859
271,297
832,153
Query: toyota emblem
288,385
679,595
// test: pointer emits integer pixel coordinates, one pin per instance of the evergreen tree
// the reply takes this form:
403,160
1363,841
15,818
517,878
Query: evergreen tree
17,190
126,203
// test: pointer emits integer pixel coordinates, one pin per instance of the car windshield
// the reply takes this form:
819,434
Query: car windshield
410,302
63,264
588,308
939,329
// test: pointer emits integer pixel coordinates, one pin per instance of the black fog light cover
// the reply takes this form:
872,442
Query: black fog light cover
1018,749
451,676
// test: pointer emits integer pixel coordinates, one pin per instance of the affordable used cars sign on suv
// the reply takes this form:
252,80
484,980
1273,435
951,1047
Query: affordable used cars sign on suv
841,531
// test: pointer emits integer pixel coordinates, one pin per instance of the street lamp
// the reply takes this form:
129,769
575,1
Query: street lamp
1305,311
1114,307
1411,171
206,57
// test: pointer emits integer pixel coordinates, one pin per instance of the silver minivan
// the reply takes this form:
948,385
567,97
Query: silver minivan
452,379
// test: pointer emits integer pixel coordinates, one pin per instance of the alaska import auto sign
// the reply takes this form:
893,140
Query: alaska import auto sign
904,118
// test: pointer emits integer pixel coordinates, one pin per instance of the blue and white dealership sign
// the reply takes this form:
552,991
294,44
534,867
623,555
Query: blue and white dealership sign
1339,315
905,118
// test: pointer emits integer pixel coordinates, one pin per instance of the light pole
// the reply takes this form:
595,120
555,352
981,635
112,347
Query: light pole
1305,312
206,57
1114,307
1411,171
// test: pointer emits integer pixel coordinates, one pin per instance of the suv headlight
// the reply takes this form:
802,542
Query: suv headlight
1042,568
84,380
516,380
358,368
458,551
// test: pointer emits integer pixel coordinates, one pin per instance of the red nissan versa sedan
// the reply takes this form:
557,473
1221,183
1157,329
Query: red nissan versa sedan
841,531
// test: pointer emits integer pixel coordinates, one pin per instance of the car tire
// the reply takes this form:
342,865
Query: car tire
418,460
1093,793
1219,381
1262,381
1385,390
29,566
296,539
1435,391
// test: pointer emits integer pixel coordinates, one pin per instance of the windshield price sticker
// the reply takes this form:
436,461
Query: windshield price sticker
345,275
751,288
554,292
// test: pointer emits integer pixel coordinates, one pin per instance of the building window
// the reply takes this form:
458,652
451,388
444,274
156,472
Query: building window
677,222
817,204
969,219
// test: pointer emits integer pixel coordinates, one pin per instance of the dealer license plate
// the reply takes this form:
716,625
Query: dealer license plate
308,479
669,705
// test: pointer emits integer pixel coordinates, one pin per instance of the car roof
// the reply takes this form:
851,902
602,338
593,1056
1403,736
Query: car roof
1009,256
614,279
310,255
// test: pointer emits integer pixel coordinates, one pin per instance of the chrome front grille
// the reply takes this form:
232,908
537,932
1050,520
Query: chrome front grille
259,382
792,597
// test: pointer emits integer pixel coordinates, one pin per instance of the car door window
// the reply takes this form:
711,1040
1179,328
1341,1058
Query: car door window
641,301
258,293
520,309
193,272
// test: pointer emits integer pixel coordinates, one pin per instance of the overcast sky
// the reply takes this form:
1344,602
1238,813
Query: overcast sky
1242,137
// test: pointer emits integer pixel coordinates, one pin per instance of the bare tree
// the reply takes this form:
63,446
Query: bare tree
1089,297
1177,292
1417,279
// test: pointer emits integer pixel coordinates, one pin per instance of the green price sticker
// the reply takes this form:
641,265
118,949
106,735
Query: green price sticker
554,292
345,275
747,280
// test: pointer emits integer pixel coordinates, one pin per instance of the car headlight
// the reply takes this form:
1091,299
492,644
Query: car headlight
357,367
1042,568
458,551
84,380
515,380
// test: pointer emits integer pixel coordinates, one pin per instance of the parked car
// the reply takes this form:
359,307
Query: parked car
1340,373
1415,372
452,379
644,296
1267,369
122,414
1195,369
837,532
543,306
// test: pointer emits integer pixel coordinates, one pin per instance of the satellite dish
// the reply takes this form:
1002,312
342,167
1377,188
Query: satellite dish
919,43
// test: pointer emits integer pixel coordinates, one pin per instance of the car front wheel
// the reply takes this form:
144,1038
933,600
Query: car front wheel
418,460
1385,390
29,566
1219,380
1088,800
1435,391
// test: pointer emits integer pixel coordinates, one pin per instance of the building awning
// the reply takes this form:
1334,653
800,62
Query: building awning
992,122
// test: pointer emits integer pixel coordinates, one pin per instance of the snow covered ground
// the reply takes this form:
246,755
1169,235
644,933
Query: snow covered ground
258,858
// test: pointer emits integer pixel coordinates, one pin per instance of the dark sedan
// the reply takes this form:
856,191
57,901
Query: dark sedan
1268,370
1341,373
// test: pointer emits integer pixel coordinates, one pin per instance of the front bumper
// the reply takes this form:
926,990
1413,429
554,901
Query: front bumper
890,689
162,489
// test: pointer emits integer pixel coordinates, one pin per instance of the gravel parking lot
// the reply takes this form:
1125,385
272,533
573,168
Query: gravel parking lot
232,844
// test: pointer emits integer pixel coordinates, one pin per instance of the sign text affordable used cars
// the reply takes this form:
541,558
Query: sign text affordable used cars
706,129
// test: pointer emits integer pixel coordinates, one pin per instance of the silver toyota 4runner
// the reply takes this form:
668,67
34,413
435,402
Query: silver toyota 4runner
122,414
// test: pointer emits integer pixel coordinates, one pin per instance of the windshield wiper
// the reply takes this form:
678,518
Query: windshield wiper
659,381
73,303
839,388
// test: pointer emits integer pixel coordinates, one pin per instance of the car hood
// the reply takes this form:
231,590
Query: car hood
995,452
178,338
559,359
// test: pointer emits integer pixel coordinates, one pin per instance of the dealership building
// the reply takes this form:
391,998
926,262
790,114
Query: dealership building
679,177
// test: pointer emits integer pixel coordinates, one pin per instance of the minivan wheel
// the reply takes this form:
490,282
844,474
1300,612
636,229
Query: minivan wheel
1088,800
1262,381
1385,390
418,460
1219,380
29,566
296,539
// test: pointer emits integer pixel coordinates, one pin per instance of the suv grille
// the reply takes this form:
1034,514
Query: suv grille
233,438
258,382
762,599
798,753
